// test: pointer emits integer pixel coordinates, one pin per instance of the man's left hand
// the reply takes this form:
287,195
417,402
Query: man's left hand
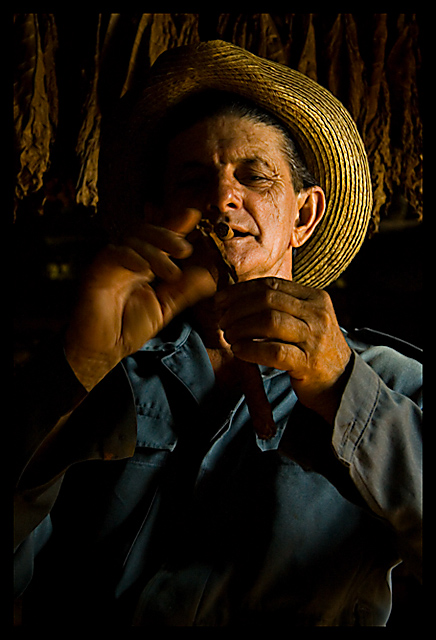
285,325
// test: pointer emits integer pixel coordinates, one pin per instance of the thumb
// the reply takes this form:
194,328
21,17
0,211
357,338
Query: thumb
184,223
181,222
195,284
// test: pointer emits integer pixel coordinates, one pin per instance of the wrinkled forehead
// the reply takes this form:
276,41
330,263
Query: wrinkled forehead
228,139
207,105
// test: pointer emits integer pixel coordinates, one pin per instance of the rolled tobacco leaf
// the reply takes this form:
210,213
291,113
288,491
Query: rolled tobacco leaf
252,385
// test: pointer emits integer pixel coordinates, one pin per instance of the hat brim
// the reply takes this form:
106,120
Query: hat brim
322,128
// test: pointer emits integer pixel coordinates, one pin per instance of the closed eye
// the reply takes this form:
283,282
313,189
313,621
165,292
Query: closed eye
254,171
254,179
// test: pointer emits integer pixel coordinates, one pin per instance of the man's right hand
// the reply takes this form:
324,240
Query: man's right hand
118,309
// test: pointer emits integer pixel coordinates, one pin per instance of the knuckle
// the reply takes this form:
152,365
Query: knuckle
269,297
271,283
323,299
279,352
323,316
275,320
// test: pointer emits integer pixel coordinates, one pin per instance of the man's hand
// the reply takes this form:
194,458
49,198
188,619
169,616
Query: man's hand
282,324
118,309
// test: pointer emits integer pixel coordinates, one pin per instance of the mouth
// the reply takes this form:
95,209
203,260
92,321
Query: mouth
225,231
237,233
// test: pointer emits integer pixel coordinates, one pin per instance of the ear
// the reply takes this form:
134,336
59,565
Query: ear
311,205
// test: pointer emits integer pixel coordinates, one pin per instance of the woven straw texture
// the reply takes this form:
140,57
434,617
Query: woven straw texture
322,128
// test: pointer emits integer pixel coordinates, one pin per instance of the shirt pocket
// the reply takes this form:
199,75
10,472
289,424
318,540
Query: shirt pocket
155,427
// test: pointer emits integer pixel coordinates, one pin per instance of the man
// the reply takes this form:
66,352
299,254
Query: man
145,496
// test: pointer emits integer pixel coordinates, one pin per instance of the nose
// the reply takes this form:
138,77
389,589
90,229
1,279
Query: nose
224,196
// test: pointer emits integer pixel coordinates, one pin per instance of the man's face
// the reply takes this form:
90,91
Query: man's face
234,170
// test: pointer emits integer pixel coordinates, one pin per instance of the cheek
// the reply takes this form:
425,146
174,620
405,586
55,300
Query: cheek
276,214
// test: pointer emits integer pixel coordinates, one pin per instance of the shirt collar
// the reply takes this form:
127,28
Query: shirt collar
177,334
169,339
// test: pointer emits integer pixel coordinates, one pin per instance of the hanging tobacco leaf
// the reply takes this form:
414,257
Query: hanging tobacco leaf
307,63
88,143
145,21
35,100
402,69
154,34
371,62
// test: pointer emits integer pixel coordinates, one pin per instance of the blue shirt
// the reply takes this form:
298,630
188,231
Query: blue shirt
188,519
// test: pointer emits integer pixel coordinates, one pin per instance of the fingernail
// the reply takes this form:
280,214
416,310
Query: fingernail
185,245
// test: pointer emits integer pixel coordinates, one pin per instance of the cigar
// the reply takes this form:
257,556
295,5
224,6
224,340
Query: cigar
252,385
214,236
257,401
223,231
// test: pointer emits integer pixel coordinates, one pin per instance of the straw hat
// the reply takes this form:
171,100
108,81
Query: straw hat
322,128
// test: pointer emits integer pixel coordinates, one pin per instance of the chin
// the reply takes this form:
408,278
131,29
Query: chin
251,272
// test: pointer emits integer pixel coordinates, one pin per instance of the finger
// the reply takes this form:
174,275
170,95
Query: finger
255,295
168,241
182,223
185,223
160,263
258,300
268,325
195,284
113,260
278,355
265,286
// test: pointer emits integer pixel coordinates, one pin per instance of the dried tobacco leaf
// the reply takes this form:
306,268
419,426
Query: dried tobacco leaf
35,103
406,127
88,143
348,52
333,56
307,63
145,21
356,81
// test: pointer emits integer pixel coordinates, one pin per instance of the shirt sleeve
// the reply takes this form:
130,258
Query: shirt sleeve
46,392
57,425
377,436
60,424
372,454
